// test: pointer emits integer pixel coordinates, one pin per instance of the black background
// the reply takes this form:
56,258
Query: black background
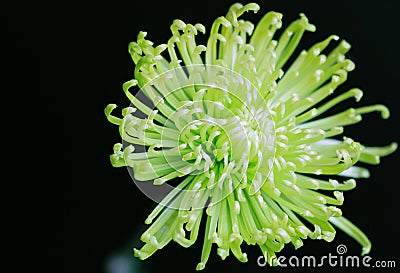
81,62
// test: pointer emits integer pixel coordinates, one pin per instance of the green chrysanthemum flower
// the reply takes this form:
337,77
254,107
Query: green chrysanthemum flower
244,139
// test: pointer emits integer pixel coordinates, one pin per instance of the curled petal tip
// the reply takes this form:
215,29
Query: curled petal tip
200,266
179,24
109,108
252,6
365,250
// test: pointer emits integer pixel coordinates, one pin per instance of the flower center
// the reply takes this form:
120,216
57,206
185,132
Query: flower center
240,145
203,144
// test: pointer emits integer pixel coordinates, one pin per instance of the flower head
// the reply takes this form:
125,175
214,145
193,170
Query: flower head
247,142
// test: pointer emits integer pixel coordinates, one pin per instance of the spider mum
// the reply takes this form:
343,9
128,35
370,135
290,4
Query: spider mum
242,140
